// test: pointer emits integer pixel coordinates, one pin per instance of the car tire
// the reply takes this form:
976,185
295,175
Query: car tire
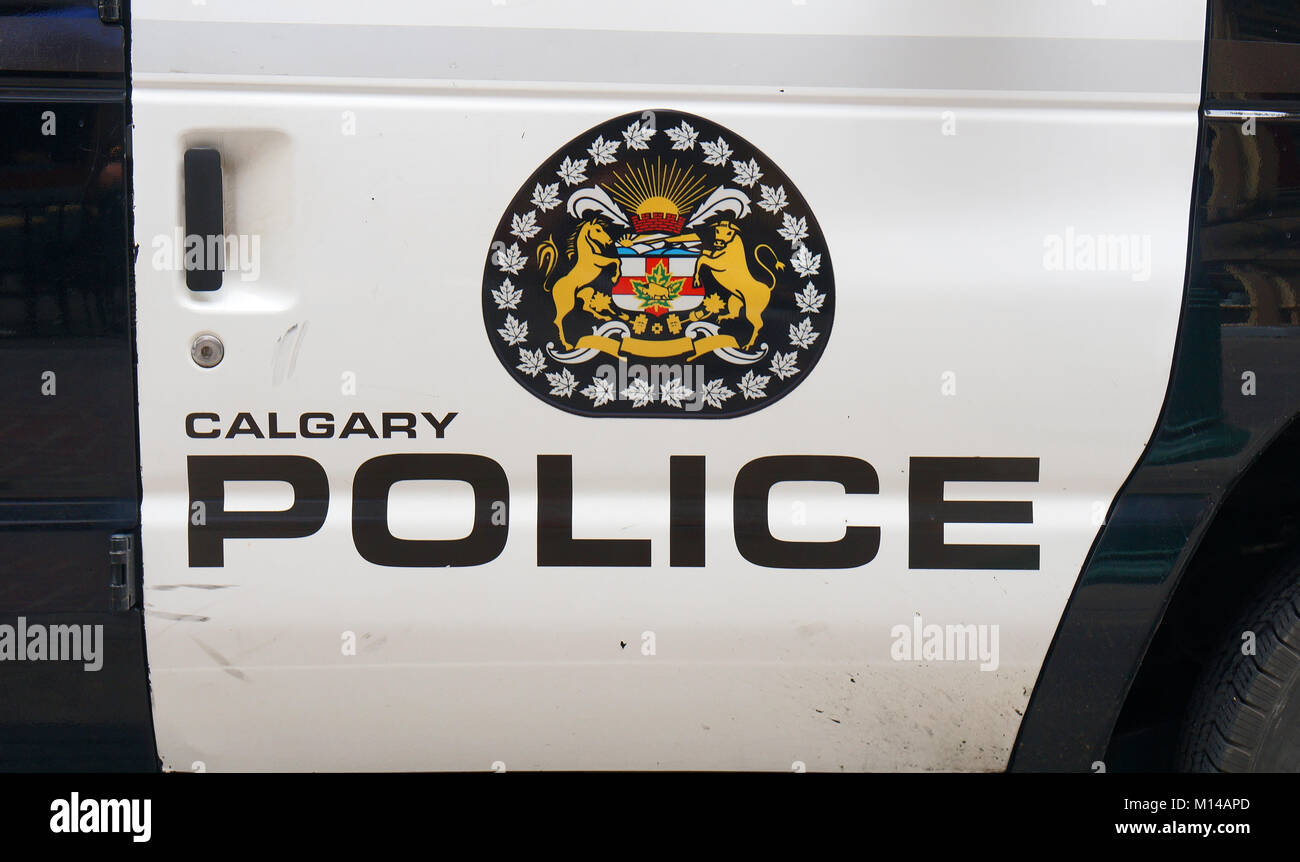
1245,712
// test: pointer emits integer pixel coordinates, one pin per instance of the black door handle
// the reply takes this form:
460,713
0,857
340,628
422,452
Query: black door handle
204,218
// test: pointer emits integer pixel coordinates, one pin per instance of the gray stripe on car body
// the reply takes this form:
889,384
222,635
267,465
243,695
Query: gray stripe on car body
620,57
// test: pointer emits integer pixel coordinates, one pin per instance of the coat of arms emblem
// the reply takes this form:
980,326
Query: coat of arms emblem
658,265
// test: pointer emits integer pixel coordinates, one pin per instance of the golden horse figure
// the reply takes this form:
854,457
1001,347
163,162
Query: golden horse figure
586,247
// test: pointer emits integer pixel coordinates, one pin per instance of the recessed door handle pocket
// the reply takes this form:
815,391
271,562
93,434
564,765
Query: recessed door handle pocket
204,218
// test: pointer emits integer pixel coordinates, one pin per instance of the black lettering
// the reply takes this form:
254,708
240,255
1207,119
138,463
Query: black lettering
208,475
325,427
754,537
370,488
555,543
244,424
929,511
686,510
358,424
391,425
272,421
439,427
191,431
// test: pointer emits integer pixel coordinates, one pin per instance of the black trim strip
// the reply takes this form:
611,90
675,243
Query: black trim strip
69,459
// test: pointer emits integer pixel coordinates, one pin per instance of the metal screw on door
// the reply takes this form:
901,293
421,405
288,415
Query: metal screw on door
207,351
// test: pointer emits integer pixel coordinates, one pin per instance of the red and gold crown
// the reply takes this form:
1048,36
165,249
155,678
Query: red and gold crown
658,196
658,222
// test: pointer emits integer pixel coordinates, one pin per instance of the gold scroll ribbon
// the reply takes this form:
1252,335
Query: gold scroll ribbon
697,347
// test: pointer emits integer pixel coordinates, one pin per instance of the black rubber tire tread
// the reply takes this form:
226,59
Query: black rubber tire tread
1238,700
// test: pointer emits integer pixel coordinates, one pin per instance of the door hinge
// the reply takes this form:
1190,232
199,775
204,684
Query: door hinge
110,11
121,571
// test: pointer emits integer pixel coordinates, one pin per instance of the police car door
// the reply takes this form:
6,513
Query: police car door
690,386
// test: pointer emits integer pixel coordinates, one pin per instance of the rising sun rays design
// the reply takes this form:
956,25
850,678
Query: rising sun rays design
657,189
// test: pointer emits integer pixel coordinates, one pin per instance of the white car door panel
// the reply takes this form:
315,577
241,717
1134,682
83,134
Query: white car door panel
1004,196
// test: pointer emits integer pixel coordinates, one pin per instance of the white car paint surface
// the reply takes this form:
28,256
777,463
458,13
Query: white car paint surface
940,147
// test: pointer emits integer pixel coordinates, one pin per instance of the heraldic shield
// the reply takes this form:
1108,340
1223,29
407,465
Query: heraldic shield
658,265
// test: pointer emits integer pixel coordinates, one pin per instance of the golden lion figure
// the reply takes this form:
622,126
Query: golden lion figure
726,259
588,245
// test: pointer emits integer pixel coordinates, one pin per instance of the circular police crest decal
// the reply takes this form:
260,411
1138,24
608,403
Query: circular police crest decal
658,265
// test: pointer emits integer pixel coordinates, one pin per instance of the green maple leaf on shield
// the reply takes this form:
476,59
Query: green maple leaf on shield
657,289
